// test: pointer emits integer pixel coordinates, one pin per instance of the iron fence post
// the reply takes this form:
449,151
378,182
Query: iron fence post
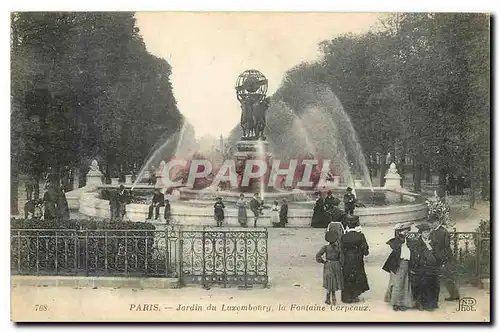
267,259
180,255
86,252
224,273
246,262
203,277
167,252
478,257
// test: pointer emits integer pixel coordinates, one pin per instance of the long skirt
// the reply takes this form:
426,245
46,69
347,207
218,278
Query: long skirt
275,218
332,276
242,216
355,280
399,292
425,289
219,215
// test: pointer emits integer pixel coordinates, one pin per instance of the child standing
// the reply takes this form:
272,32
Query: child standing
219,211
332,270
275,214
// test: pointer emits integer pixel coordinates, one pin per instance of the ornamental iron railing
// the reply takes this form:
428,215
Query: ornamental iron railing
205,256
225,257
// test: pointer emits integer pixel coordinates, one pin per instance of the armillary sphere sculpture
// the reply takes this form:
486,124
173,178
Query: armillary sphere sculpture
251,89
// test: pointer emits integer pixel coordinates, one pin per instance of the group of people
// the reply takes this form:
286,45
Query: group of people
418,265
53,205
159,201
343,261
279,213
327,209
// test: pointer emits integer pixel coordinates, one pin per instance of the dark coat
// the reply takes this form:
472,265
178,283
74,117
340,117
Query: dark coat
354,248
255,206
350,200
318,218
337,215
284,213
440,238
219,211
393,261
158,198
423,260
330,202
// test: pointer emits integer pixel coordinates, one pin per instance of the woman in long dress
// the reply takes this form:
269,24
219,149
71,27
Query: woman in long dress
318,217
332,270
275,214
242,211
354,248
219,211
399,293
424,271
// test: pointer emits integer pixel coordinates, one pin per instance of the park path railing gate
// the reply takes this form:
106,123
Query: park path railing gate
224,256
201,256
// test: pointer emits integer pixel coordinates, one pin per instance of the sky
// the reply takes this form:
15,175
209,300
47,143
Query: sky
207,52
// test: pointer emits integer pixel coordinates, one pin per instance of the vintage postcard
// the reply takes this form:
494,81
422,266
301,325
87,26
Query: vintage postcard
250,167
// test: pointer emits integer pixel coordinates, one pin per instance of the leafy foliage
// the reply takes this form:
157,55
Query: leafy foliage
84,87
418,87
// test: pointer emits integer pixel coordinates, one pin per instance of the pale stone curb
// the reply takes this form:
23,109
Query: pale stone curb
94,282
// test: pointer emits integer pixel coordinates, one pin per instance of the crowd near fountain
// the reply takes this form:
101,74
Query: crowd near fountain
280,153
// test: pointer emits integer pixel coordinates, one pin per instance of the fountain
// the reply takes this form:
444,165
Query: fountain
271,133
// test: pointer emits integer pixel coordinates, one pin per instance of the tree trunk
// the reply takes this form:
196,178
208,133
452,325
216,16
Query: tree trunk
402,168
485,186
442,183
473,184
383,168
14,192
417,175
428,174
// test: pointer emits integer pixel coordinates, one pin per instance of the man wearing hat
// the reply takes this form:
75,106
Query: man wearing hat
441,239
399,293
354,248
349,201
424,270
158,201
255,206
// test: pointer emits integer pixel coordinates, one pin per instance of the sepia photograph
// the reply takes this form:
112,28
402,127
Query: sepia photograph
250,166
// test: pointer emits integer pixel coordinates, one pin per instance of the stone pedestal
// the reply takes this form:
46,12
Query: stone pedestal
246,149
128,179
253,149
392,178
336,181
145,175
94,176
115,181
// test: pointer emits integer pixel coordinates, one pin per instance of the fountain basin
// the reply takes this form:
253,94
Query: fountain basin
200,212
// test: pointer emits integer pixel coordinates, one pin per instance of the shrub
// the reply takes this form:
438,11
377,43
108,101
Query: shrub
89,247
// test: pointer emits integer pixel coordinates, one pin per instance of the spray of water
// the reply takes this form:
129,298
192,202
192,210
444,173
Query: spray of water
319,125
261,156
180,145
